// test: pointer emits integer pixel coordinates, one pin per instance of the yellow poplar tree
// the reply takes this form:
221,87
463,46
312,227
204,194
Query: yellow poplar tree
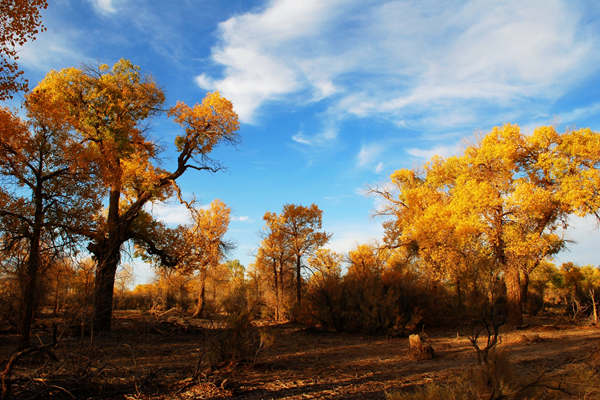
301,226
107,106
206,244
503,201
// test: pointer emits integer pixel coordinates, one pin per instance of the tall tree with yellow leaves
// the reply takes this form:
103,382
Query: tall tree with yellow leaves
107,106
502,201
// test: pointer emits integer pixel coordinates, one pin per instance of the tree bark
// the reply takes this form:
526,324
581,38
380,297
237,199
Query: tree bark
30,294
298,281
199,311
107,251
281,283
56,295
513,294
524,290
30,287
276,282
106,269
459,294
594,305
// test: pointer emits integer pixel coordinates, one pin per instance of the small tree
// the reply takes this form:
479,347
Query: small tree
206,245
274,256
301,226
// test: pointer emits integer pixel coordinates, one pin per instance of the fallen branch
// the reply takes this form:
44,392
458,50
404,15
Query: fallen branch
14,359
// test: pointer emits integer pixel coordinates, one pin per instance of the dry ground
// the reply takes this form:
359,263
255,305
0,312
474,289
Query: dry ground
137,362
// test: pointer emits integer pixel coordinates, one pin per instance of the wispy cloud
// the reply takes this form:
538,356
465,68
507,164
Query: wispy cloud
240,218
462,55
346,238
368,153
579,113
104,6
442,151
53,50
324,138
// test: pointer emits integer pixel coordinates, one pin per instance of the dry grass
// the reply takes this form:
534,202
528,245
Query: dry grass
135,361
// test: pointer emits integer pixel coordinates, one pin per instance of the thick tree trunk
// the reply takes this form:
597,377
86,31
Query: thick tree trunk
106,269
524,289
513,294
298,281
199,311
107,252
30,292
459,295
30,287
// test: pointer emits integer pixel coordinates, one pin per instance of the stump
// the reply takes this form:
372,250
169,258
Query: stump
419,348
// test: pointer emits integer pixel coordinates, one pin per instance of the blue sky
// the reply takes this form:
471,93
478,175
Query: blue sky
335,95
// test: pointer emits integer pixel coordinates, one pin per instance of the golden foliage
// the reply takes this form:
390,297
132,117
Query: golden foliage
498,206
20,23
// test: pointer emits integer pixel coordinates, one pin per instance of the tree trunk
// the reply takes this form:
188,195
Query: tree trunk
281,281
214,288
56,295
276,282
106,269
524,289
30,292
513,294
107,251
594,305
298,281
459,294
199,311
30,287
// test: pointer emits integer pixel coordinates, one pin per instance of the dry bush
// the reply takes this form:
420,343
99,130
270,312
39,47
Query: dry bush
240,341
461,388
9,305
392,302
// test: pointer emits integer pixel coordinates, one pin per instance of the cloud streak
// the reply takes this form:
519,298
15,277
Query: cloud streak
367,63
104,7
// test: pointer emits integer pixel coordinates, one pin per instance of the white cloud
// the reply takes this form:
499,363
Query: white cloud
579,113
300,138
241,218
442,151
52,50
379,168
368,153
585,236
346,238
323,138
399,59
104,6
170,213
